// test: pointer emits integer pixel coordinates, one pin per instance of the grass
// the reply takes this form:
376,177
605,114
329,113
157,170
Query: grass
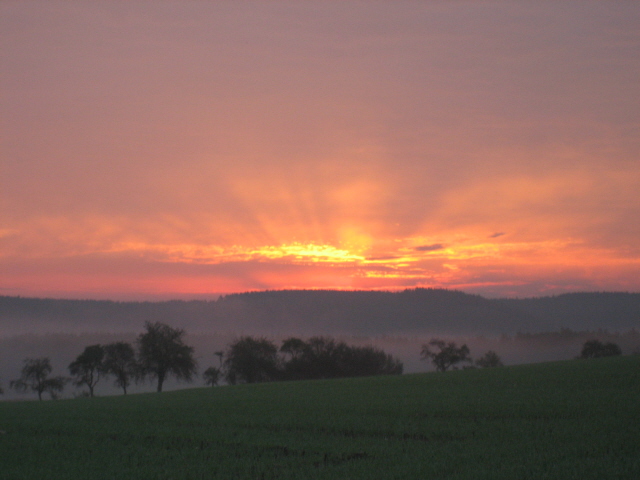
563,420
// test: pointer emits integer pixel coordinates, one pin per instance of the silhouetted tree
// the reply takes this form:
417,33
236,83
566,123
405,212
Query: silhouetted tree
120,361
251,360
323,357
354,361
35,377
87,367
318,357
294,347
162,352
220,355
489,360
597,349
212,376
302,359
447,355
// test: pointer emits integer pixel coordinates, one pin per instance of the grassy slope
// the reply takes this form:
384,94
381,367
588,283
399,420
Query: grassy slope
576,419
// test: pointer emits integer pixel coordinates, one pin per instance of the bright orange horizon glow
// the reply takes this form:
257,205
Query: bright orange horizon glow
194,271
191,149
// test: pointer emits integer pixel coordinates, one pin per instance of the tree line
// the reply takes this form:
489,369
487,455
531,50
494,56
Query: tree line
445,355
253,360
160,352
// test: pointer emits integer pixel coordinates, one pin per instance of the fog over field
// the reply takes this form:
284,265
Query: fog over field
398,323
63,348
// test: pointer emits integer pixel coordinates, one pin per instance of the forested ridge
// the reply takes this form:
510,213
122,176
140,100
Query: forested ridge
309,312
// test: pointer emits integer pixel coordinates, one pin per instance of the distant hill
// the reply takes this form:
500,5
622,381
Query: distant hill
615,311
312,312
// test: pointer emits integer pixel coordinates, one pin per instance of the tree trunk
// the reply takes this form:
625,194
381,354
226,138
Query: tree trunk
160,381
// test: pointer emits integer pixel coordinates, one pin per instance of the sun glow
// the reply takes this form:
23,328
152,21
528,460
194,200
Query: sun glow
449,261
214,254
308,253
337,157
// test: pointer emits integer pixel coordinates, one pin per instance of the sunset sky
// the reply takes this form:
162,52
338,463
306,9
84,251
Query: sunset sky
186,149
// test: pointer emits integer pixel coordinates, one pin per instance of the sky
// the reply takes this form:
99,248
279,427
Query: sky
154,149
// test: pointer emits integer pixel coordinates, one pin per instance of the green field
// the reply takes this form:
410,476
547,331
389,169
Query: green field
564,420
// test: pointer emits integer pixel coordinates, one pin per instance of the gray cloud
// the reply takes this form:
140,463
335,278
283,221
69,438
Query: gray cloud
430,248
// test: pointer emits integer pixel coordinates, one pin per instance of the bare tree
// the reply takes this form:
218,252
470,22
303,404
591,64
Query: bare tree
212,376
293,347
220,355
87,367
120,361
489,360
447,355
162,352
35,377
